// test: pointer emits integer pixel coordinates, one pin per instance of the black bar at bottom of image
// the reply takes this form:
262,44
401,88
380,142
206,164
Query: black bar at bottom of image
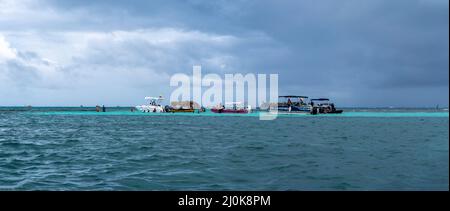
220,199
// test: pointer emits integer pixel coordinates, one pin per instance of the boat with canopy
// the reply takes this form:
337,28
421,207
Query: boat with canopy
154,105
181,107
323,106
293,104
232,107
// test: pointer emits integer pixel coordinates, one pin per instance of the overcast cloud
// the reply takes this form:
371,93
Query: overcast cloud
357,52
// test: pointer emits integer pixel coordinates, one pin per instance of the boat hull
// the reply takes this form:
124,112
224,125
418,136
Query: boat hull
150,109
182,111
318,110
229,111
335,112
294,109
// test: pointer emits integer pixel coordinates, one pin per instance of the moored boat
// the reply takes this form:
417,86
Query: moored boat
232,108
181,108
153,106
293,104
323,106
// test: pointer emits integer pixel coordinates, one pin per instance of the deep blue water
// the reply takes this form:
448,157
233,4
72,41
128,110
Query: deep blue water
40,150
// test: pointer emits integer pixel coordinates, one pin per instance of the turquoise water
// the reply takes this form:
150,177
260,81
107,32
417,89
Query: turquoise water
255,114
361,149
347,113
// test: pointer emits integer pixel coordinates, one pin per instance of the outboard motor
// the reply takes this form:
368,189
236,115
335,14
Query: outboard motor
167,108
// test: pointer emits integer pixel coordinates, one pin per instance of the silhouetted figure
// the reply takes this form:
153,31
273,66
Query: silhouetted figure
103,108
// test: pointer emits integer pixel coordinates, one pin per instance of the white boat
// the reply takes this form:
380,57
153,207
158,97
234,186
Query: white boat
232,107
153,106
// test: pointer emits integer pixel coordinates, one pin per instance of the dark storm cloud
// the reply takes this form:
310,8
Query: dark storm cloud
340,49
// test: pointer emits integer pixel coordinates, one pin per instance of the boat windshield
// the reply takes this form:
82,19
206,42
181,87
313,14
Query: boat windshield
155,100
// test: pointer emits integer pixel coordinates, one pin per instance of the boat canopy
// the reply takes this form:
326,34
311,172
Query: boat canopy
154,98
320,99
292,96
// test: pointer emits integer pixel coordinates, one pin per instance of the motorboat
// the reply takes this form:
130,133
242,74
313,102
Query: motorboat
232,107
181,108
293,104
154,105
323,106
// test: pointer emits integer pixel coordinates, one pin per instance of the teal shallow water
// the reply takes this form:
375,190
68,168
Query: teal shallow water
254,114
77,149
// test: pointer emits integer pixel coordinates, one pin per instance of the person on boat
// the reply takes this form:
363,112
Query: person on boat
328,109
333,109
289,102
103,108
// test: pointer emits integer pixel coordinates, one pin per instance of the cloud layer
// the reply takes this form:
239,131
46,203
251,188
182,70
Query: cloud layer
360,53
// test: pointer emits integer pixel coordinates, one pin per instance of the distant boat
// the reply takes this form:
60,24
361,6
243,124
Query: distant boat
153,106
323,106
232,107
293,104
180,107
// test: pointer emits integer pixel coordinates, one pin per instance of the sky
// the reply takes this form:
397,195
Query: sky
105,52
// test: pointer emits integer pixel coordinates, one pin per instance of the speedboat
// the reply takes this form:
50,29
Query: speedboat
233,108
323,106
293,104
153,106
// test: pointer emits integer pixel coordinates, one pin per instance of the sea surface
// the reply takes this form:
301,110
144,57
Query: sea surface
362,149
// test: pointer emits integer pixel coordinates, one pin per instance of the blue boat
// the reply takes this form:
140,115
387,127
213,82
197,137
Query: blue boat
293,104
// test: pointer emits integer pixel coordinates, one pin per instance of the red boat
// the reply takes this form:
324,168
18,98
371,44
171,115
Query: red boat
235,108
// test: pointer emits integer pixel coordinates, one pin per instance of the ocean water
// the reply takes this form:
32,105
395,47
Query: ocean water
361,149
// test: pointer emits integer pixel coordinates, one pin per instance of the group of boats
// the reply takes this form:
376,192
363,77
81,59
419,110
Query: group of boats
286,104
